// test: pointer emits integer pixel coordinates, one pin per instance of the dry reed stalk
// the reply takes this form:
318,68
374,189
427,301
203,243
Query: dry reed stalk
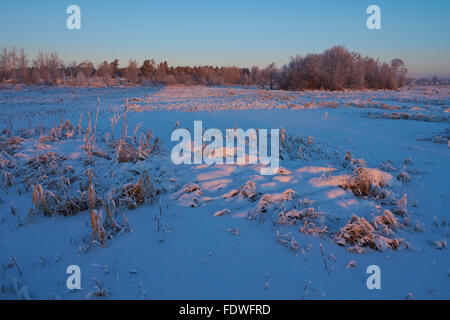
70,130
135,131
79,124
38,196
96,216
124,124
91,191
88,132
95,125
402,206
110,211
97,226
282,136
13,258
324,260
113,121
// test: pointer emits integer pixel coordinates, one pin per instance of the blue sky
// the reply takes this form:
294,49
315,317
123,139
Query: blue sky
243,33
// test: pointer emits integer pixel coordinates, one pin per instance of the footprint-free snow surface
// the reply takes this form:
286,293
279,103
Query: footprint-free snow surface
87,180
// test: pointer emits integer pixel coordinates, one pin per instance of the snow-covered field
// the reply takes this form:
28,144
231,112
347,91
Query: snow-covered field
364,180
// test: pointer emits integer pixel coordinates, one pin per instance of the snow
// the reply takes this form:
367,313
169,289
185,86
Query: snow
224,231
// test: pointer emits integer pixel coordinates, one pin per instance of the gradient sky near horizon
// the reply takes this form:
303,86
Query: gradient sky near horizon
232,32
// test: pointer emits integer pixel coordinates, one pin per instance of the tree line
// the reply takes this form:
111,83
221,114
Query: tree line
334,69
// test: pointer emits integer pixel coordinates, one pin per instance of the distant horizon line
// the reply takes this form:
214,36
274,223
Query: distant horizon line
97,62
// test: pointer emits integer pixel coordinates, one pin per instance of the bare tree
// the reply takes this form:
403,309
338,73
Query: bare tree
231,75
313,65
356,78
115,68
4,62
400,71
23,66
337,63
80,79
39,65
8,63
106,72
293,75
255,75
132,71
54,66
147,69
270,75
161,72
87,67
386,77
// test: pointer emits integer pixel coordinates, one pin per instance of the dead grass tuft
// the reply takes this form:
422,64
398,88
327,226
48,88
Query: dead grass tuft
267,202
11,144
137,194
45,200
288,240
247,191
98,231
365,181
402,206
126,152
359,233
352,162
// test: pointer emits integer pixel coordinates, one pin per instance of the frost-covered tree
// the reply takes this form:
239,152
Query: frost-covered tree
337,67
271,75
231,75
8,63
115,68
255,75
54,67
87,67
356,79
387,77
147,68
400,70
103,69
80,79
132,71
161,72
22,64
313,65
